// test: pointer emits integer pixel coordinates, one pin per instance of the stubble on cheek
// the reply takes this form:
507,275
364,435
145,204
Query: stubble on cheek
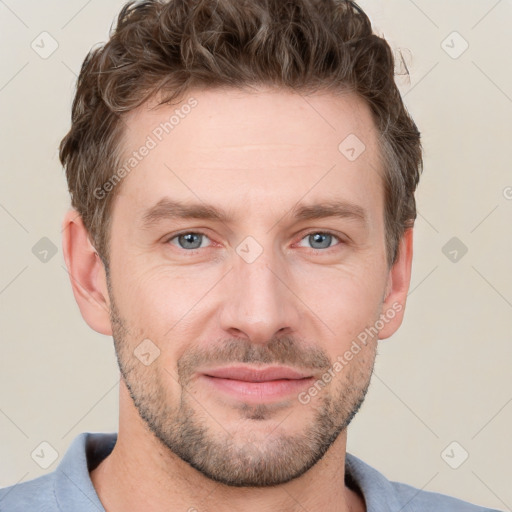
168,405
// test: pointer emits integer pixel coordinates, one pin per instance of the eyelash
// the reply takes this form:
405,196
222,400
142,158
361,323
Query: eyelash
195,251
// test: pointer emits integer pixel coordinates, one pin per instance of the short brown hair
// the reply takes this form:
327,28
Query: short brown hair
167,48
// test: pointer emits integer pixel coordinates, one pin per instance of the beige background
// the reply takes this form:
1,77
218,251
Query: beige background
444,377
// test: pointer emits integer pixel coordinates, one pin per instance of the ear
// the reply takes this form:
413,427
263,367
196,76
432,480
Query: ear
87,273
399,279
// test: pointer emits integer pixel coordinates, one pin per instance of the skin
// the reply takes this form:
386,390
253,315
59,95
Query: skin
299,304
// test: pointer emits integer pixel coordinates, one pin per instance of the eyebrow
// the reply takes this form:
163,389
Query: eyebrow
167,209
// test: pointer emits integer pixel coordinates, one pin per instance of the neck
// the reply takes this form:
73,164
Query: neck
142,474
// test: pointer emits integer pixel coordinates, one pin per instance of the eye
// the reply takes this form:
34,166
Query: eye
193,240
190,240
321,239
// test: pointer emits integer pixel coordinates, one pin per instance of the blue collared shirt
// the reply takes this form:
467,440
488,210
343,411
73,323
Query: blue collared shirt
69,488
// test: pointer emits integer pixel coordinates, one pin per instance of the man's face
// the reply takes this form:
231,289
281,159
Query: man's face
260,288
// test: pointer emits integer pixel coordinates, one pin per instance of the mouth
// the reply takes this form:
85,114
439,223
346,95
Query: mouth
255,384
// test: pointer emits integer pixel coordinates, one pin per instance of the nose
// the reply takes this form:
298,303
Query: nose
259,300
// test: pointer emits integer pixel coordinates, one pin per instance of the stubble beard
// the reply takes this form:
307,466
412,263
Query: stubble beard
187,430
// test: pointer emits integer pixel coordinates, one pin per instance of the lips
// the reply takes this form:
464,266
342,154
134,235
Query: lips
256,385
248,374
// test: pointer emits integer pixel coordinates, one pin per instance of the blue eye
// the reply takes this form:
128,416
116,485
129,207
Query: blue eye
193,240
190,240
321,239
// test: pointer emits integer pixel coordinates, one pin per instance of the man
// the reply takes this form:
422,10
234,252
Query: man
242,176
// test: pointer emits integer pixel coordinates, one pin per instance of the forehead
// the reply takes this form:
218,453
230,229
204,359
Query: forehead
262,147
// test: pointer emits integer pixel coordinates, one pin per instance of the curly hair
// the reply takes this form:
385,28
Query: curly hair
166,48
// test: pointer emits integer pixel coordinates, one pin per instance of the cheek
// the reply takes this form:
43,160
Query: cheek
163,305
346,300
152,294
143,307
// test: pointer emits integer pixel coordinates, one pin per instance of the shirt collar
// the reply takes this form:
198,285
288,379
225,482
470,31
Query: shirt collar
74,489
379,493
72,485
